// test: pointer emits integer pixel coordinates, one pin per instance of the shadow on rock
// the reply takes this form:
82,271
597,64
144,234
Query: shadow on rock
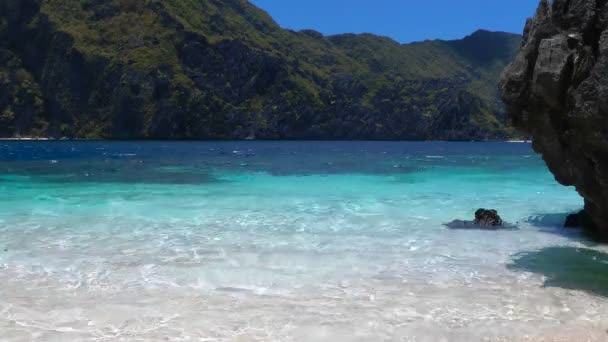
567,267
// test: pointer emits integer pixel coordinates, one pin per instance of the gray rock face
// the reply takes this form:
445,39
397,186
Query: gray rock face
557,91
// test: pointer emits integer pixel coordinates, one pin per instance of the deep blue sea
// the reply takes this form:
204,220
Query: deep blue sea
290,241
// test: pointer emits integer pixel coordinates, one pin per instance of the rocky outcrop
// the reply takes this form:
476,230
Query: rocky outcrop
487,217
557,90
577,220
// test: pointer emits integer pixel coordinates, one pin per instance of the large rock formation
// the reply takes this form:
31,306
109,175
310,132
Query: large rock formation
557,90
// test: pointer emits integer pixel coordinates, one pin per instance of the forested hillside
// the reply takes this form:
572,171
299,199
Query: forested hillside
211,69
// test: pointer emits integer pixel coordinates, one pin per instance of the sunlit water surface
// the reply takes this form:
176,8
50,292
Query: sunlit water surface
290,241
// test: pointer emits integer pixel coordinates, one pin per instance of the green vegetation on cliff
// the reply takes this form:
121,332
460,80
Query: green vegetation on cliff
222,69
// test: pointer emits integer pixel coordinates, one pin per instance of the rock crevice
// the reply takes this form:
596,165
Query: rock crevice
557,91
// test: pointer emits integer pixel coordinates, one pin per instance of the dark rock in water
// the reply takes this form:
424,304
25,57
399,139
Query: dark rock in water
485,217
578,220
557,91
582,221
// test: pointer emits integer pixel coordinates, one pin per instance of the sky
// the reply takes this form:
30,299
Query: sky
402,20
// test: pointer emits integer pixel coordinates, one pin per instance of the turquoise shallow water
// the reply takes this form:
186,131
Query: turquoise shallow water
289,241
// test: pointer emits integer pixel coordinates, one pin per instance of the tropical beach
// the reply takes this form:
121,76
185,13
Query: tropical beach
232,170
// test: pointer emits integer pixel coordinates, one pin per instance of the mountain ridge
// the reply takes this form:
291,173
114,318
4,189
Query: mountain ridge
209,69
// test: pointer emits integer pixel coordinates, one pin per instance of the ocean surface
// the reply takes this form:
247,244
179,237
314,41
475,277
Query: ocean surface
290,241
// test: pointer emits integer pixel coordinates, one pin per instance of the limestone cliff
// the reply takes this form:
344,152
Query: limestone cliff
557,90
224,69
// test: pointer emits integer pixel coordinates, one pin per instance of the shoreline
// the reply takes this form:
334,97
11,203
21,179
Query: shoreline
158,231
